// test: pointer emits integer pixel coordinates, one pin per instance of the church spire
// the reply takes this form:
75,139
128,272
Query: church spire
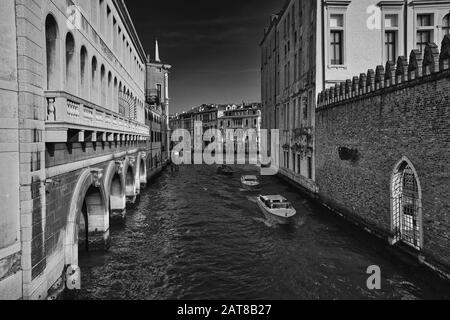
157,51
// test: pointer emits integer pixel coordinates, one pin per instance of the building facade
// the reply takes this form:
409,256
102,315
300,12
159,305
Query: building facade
75,144
220,117
243,118
313,45
157,97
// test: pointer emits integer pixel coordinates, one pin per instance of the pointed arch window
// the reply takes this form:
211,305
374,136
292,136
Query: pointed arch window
407,205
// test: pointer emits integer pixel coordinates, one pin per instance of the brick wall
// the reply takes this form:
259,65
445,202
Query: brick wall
386,115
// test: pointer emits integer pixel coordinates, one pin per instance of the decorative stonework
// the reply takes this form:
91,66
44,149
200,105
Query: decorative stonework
97,176
51,116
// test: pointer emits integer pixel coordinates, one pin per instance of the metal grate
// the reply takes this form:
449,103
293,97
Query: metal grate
406,203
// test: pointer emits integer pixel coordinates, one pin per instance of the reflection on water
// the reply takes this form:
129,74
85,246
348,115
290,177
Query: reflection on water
198,235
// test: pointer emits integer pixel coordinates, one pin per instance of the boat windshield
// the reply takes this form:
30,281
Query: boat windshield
251,179
285,205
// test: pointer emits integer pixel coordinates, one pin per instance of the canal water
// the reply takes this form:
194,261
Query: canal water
198,235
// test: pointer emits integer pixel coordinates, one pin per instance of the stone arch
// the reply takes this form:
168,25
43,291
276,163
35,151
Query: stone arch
115,189
88,200
406,205
52,45
71,76
130,180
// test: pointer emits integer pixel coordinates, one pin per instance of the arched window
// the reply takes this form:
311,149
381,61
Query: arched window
94,80
406,205
109,92
51,39
71,77
116,96
446,25
103,86
83,72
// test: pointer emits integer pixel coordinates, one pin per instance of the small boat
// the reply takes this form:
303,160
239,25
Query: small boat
250,182
225,170
276,208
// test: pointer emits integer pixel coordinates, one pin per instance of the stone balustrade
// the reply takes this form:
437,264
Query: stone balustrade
67,112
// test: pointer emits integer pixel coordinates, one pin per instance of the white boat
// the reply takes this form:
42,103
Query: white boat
276,208
250,182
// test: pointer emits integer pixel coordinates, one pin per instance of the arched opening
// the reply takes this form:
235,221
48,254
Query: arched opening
51,41
407,205
92,225
83,72
94,80
130,186
142,173
103,87
71,85
117,197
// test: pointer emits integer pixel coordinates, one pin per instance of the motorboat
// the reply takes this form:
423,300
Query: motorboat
276,208
225,170
250,182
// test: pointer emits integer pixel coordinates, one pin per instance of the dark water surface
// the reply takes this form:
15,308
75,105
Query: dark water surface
197,235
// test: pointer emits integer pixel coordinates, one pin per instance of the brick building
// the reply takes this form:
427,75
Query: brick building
382,148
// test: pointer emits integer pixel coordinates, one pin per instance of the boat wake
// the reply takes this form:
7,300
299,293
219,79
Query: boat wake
267,223
252,199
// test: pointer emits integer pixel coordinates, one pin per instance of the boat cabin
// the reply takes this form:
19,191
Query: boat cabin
276,202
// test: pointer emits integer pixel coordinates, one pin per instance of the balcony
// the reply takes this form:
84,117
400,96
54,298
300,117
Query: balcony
71,119
153,96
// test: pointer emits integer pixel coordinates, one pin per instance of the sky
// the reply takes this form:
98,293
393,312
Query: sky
212,45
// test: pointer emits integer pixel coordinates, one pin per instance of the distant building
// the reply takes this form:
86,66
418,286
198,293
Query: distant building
157,116
245,118
221,117
311,45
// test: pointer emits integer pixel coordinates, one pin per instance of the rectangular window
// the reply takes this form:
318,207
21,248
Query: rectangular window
336,25
336,47
424,30
299,162
391,21
390,45
424,20
423,38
